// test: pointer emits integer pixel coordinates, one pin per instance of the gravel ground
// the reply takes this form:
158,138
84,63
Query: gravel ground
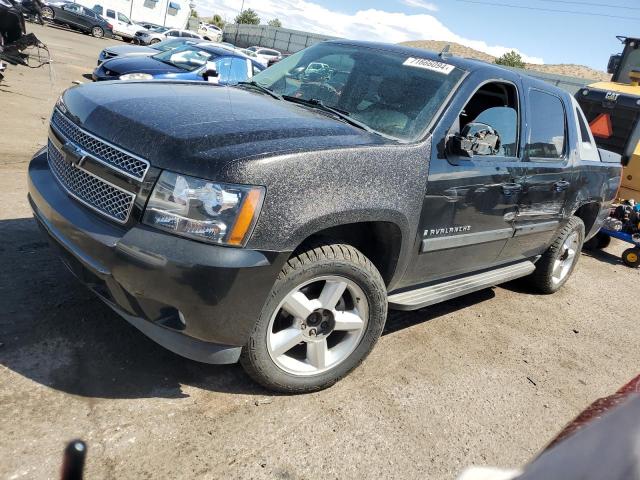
486,379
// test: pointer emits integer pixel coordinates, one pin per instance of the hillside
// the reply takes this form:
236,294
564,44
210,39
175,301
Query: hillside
570,70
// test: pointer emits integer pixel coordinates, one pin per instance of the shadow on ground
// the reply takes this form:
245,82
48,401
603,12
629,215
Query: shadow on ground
57,333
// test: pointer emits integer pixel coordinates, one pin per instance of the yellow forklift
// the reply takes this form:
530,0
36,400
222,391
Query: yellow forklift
613,111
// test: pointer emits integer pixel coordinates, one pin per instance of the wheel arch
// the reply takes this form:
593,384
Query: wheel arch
380,241
588,212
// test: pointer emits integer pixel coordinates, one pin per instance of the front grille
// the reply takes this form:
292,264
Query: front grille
124,162
107,199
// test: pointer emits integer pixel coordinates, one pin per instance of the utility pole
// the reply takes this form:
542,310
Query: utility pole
242,7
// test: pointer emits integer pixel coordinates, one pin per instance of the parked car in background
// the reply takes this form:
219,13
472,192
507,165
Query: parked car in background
149,26
156,35
265,54
273,61
122,25
121,51
210,32
190,62
276,222
77,17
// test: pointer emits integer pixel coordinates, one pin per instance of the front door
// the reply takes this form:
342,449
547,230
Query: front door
471,202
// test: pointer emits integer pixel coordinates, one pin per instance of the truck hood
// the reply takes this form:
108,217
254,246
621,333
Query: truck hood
196,127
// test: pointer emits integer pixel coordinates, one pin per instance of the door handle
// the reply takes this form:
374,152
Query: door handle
511,188
561,186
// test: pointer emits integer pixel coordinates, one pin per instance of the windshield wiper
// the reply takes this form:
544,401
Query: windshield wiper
255,84
341,114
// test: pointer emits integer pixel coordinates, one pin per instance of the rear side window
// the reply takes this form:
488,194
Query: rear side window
547,137
111,14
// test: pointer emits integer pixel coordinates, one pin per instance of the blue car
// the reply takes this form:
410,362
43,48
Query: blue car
190,62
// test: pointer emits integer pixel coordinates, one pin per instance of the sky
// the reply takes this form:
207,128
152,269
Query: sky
539,36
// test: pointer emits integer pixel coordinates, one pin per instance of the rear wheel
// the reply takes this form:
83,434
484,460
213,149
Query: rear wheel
631,257
326,311
97,32
154,41
47,13
556,264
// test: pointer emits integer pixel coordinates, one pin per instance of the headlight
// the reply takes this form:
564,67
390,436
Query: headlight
136,76
204,210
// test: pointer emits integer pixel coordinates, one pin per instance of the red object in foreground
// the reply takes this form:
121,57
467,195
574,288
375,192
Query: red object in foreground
597,409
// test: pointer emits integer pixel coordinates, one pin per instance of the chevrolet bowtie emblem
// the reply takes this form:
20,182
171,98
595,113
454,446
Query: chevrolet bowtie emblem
73,154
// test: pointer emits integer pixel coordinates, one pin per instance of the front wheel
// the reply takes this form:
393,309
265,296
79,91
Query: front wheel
97,32
325,313
47,13
556,264
154,41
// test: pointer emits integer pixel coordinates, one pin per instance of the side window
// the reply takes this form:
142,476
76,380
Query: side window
98,9
72,8
547,138
494,105
256,70
223,66
238,71
173,33
111,14
122,18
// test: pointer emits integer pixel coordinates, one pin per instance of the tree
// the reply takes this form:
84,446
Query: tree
217,20
249,16
511,59
194,13
275,23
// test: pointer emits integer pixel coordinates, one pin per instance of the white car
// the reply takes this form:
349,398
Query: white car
265,54
210,32
122,26
156,35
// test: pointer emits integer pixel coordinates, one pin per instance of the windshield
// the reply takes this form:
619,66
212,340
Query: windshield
187,58
170,44
159,29
391,93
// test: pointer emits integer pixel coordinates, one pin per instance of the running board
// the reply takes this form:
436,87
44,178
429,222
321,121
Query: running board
423,297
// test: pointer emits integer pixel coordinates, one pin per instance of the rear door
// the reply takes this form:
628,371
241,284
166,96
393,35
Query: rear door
471,203
549,176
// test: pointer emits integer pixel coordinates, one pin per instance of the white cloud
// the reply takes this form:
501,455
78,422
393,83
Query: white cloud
370,24
432,7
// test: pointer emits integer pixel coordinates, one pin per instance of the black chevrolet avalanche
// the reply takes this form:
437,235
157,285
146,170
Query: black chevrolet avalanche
275,222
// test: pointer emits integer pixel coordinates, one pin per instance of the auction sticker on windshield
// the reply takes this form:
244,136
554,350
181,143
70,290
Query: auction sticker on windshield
429,65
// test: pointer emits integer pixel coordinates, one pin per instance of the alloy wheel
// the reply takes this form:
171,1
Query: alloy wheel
317,325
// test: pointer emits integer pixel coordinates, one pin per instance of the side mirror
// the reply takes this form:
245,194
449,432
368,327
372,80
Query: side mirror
210,72
475,139
614,63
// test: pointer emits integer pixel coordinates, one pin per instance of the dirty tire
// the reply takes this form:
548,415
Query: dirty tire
542,279
339,260
97,32
631,257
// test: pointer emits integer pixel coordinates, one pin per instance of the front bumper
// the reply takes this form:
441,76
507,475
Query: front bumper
198,300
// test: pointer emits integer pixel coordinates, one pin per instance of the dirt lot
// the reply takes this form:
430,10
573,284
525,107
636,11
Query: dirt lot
486,379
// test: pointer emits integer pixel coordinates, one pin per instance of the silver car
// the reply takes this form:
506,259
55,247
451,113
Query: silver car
143,50
156,35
